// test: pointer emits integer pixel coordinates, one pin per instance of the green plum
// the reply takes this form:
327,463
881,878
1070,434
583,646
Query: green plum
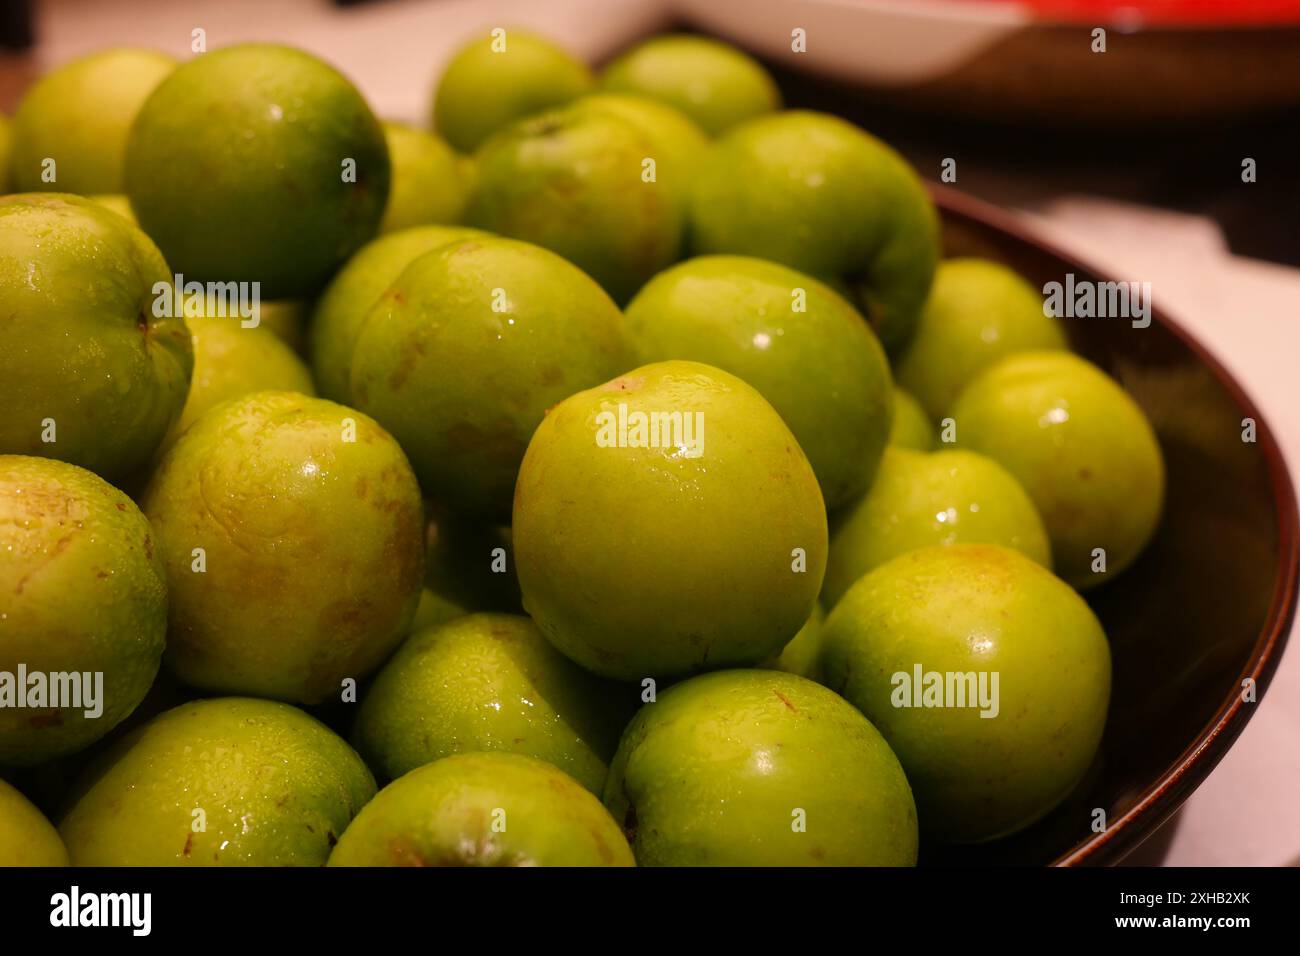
224,782
490,682
79,116
434,610
118,203
469,563
26,837
496,79
925,644
580,182
667,521
462,355
92,374
85,593
713,83
483,809
1082,449
292,534
977,313
912,428
430,183
759,768
230,361
920,499
805,348
802,656
820,195
286,319
346,301
258,163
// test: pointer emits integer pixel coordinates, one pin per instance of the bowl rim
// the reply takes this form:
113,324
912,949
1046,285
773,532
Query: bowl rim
1161,799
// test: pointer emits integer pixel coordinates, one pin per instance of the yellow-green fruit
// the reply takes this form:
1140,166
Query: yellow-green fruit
293,539
347,300
286,319
79,116
269,785
94,369
658,546
434,610
1081,448
988,676
713,83
771,325
463,354
920,499
490,682
911,428
802,655
6,148
82,594
469,563
429,180
483,809
230,361
26,837
501,77
118,203
759,768
978,312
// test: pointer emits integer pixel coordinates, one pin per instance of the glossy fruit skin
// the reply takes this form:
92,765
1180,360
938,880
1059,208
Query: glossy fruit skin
236,168
802,656
82,343
483,91
911,428
343,306
276,787
82,585
978,312
490,682
79,115
231,361
1081,448
940,498
712,773
737,314
820,195
643,562
442,814
430,183
462,355
571,180
26,837
313,547
715,84
971,608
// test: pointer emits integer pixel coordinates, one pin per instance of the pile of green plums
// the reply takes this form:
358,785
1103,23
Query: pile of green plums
612,473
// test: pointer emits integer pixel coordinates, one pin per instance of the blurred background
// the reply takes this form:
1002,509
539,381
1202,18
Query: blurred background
1130,159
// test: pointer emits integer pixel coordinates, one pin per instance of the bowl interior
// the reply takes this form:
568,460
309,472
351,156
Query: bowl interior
1209,602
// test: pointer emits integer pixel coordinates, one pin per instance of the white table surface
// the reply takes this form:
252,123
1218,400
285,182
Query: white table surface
1248,312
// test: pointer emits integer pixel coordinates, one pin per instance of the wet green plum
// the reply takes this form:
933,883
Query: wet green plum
806,349
911,427
488,682
713,83
920,499
79,116
988,675
343,306
82,590
91,373
1082,449
655,546
258,163
26,837
802,656
293,540
483,809
820,195
462,355
501,77
224,782
759,768
430,183
978,312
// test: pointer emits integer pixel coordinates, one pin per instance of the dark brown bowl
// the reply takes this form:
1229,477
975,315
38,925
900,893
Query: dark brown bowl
1207,606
